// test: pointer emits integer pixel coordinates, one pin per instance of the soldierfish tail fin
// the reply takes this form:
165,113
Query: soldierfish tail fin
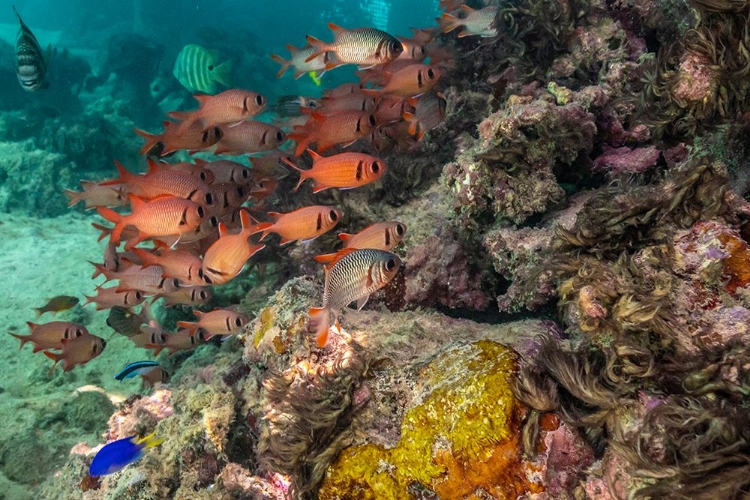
75,197
116,219
303,141
22,338
103,231
285,64
223,73
151,141
302,173
449,22
322,318
319,45
149,441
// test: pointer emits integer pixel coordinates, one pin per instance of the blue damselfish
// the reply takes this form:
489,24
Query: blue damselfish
119,454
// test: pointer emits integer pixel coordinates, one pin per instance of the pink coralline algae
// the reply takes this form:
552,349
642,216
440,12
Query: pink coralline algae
696,81
140,415
621,160
446,281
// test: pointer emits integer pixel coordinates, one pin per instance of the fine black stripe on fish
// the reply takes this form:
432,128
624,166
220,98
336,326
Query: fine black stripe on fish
134,369
31,62
353,277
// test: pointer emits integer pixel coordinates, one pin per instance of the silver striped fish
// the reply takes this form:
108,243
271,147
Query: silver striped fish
353,277
31,62
198,69
365,47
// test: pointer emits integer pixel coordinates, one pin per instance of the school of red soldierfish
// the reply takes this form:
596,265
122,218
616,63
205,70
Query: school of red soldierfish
203,220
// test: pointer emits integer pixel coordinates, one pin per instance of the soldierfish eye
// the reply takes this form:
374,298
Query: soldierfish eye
279,136
400,229
218,133
372,120
375,167
201,212
138,295
176,283
240,191
390,264
209,199
245,173
430,73
238,321
213,221
260,100
333,216
203,295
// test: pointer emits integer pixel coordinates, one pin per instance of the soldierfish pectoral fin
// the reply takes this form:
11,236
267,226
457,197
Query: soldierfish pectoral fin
361,302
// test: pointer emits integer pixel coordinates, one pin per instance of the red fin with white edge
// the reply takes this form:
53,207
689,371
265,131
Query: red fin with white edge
322,318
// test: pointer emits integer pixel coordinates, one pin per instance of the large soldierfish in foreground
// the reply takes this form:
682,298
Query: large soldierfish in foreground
31,62
353,277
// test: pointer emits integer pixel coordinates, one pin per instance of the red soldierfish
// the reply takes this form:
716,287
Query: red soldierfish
173,139
249,137
216,322
179,264
429,112
159,181
77,351
162,216
226,257
378,236
183,340
230,106
110,297
410,81
326,131
354,277
343,171
305,223
97,195
361,46
50,335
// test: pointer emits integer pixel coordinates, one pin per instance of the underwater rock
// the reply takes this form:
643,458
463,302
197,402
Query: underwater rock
458,435
516,253
509,174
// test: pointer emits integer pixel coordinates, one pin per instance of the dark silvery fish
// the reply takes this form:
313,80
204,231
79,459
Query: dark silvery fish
31,62
354,276
124,321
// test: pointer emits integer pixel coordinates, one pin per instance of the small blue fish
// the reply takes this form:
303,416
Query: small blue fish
137,368
119,454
